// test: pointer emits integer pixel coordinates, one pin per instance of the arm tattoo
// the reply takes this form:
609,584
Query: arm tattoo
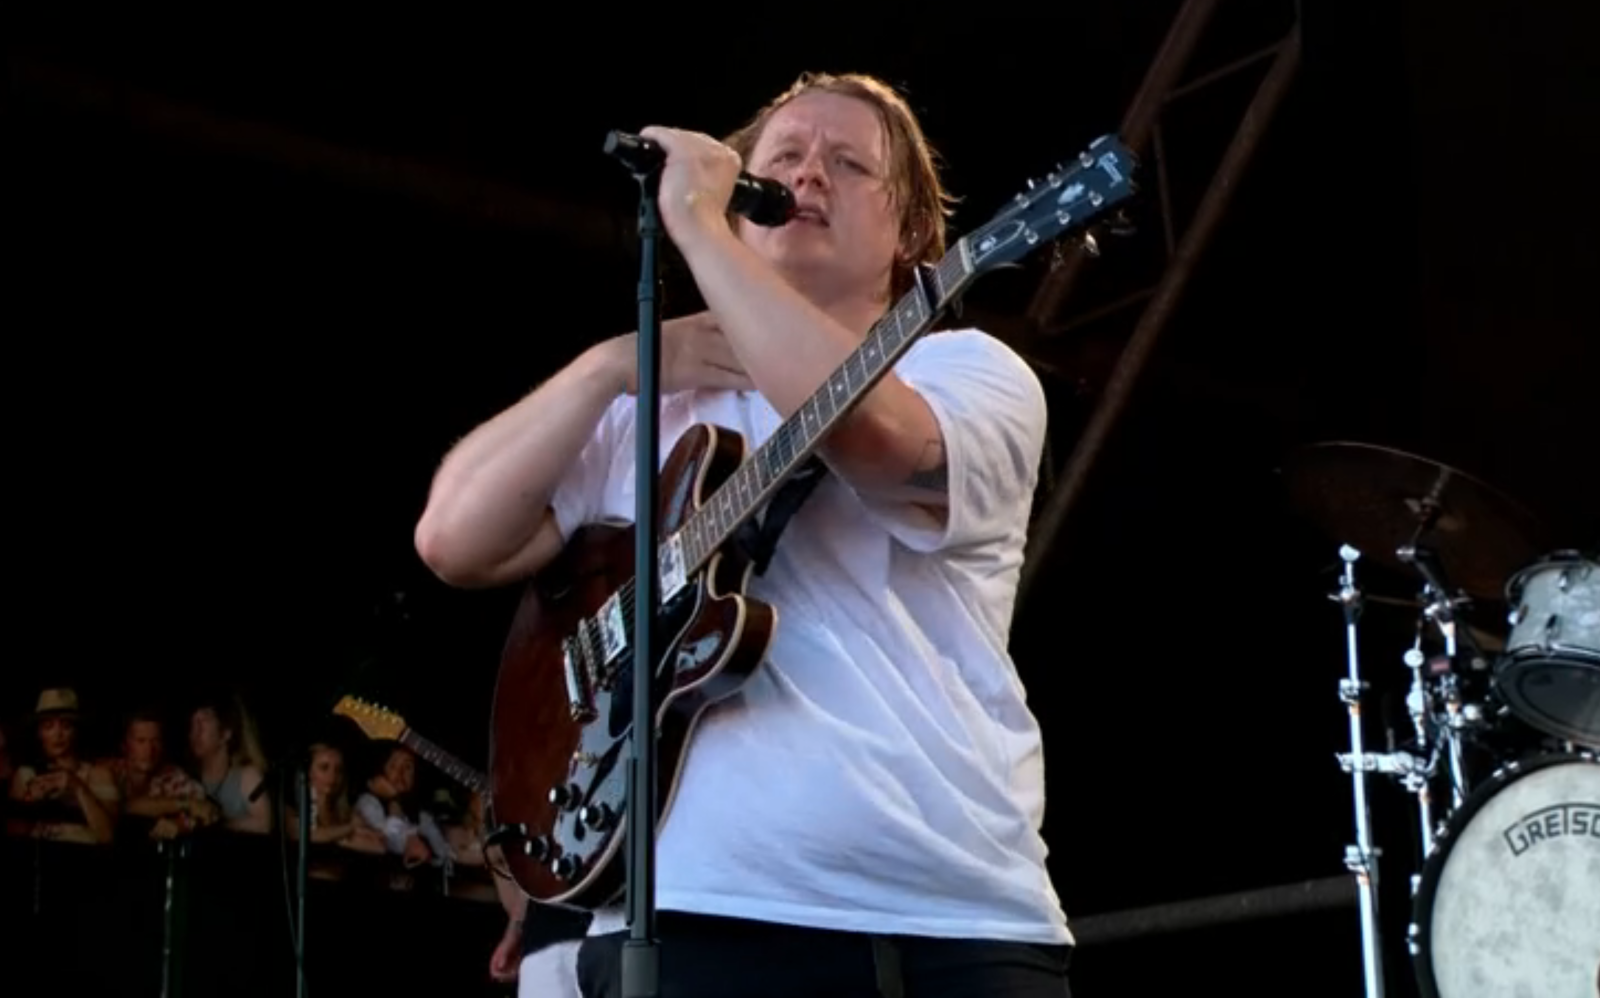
933,472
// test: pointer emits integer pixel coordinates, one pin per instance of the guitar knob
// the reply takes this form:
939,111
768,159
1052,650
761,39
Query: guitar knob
564,797
537,848
596,816
564,868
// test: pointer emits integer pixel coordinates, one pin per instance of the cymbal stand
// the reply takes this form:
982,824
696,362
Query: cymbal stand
1361,858
1417,780
1440,608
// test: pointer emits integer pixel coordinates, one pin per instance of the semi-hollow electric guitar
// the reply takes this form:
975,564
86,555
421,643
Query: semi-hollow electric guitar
562,713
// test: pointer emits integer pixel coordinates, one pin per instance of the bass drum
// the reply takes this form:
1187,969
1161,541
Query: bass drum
1509,903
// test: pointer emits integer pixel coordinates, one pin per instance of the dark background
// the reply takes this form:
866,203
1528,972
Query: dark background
261,274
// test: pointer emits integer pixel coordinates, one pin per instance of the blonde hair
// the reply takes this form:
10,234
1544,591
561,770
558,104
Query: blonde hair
338,812
915,188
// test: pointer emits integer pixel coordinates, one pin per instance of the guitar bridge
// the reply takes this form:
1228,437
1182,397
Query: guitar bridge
580,694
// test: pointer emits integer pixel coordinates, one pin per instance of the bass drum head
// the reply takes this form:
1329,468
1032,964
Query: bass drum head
1509,903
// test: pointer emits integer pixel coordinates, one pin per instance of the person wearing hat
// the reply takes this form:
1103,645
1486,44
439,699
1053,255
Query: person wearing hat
66,798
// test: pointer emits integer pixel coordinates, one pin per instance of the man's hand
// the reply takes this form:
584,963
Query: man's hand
694,354
506,961
203,811
696,183
417,852
49,786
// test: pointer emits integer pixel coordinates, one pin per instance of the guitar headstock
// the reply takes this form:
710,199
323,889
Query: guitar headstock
378,723
1068,200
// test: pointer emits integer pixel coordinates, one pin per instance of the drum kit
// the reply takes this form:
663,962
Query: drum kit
1504,730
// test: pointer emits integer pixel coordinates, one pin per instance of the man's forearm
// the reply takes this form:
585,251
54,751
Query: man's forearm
95,813
490,492
789,347
512,899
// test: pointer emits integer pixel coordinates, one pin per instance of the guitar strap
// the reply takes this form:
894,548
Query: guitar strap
757,538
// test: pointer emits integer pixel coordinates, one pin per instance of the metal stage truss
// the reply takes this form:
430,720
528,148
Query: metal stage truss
1141,130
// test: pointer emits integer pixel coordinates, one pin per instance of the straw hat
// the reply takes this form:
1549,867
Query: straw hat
59,702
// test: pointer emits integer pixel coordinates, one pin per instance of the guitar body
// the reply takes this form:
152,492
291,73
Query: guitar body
562,772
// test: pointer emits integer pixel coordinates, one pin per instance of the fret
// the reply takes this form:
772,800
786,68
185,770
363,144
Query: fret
810,422
446,762
906,316
770,463
690,534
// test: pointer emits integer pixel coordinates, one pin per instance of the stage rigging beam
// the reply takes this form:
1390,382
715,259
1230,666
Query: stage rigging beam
1184,253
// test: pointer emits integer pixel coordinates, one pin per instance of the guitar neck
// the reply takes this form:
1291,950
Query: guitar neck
449,764
743,494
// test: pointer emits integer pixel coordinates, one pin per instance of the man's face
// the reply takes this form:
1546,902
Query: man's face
833,152
401,771
205,733
142,745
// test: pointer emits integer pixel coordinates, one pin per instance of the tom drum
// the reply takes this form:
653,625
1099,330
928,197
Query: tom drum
1549,675
1509,901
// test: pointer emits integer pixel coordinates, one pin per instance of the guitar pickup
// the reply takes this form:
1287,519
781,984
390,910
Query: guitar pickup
613,630
580,694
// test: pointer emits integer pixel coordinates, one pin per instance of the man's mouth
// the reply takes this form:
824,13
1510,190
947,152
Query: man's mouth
811,214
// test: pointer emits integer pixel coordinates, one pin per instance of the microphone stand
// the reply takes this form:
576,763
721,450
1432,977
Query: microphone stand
641,953
297,761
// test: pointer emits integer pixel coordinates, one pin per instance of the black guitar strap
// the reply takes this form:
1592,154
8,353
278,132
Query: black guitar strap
757,537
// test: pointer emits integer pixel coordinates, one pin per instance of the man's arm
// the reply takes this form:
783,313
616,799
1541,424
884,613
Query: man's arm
512,899
890,444
488,520
98,799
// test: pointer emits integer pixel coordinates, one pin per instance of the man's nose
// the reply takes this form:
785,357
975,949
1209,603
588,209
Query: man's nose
810,171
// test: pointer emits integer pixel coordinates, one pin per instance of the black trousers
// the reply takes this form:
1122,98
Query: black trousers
708,957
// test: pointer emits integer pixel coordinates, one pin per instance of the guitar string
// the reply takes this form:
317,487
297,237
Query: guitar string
785,436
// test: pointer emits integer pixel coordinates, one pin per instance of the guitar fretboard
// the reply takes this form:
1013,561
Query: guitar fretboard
452,767
757,478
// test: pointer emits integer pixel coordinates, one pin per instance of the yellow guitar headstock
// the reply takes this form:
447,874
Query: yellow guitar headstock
375,722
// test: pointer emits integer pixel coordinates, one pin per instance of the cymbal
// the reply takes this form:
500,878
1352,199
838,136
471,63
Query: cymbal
1473,619
1377,500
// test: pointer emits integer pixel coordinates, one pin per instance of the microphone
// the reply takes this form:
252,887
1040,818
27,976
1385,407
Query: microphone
762,201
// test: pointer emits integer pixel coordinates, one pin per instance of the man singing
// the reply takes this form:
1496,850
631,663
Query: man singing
863,818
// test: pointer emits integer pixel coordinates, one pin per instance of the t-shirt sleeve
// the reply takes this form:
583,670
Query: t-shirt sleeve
992,413
582,494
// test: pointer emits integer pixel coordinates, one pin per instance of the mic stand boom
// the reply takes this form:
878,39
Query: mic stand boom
640,954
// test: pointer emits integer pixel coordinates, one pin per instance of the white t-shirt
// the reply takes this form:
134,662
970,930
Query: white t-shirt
881,772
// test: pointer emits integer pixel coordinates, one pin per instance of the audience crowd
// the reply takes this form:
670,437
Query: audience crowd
200,770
